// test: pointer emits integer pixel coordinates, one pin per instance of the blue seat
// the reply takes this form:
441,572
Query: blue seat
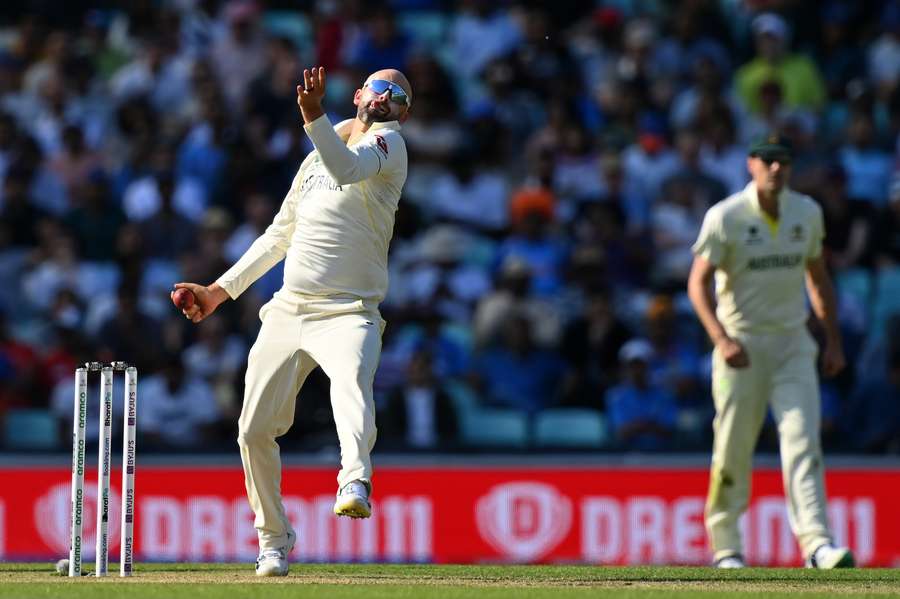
481,253
494,427
426,27
291,24
570,427
460,334
27,428
463,397
886,302
857,284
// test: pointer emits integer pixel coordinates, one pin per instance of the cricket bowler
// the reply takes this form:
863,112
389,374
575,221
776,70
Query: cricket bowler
333,229
762,244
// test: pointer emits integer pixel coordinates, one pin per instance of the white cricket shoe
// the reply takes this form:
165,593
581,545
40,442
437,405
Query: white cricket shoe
730,562
353,500
827,557
274,562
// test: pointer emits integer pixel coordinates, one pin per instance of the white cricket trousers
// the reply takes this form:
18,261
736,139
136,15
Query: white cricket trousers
298,333
782,375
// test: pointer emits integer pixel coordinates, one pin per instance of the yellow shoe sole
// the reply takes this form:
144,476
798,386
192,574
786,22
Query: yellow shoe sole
352,508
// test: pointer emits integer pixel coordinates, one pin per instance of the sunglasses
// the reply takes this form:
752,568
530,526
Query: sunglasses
770,158
398,96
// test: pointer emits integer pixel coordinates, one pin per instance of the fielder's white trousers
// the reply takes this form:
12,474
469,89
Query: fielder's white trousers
782,375
298,333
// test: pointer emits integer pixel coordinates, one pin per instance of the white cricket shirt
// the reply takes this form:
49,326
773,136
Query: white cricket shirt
760,268
336,222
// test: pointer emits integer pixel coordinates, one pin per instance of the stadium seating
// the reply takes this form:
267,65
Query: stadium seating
292,25
886,301
464,399
27,428
495,428
854,287
570,427
427,27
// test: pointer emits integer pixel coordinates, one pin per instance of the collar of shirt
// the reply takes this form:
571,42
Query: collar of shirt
376,126
395,125
348,123
751,192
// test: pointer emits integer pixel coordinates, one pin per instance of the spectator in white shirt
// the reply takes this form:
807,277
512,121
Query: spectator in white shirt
176,410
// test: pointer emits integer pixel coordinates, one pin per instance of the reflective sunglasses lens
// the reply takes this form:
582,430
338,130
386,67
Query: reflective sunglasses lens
379,86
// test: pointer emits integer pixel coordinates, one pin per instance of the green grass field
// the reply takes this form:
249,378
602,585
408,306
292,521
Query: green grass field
199,581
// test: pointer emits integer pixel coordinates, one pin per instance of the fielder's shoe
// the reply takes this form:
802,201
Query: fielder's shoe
353,500
274,562
828,556
730,562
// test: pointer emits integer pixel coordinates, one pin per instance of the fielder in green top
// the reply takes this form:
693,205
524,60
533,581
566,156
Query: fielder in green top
763,245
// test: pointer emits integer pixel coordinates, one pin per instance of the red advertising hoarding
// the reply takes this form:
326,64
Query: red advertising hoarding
604,515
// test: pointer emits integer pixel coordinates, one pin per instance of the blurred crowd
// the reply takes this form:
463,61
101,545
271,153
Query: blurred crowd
562,155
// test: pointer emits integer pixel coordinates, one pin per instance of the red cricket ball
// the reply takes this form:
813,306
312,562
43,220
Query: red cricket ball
183,298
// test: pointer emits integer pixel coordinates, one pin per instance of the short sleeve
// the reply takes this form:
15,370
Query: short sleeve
710,244
817,234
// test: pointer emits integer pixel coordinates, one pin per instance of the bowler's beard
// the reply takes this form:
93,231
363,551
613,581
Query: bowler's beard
774,186
366,113
768,184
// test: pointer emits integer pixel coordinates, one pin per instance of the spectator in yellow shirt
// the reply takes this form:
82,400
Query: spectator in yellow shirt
797,75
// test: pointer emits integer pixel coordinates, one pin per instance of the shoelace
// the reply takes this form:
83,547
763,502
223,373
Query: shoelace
354,489
270,554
